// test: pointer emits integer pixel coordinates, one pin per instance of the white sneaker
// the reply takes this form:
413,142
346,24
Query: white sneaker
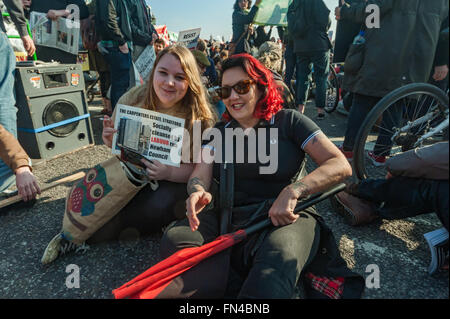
59,246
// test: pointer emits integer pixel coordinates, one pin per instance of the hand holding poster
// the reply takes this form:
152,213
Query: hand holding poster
272,12
189,38
62,34
153,135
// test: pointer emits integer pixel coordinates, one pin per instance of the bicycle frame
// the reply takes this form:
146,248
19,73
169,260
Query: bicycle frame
424,119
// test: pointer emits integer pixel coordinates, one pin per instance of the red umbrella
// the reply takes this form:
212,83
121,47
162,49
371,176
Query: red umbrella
152,282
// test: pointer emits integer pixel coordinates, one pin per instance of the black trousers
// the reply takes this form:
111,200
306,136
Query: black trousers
267,264
401,197
147,213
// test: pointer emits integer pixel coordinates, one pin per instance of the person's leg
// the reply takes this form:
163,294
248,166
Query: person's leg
321,62
148,212
119,65
8,110
303,70
208,278
289,57
440,201
361,106
402,197
278,263
391,118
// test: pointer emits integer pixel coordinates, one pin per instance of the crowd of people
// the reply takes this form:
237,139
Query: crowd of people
252,83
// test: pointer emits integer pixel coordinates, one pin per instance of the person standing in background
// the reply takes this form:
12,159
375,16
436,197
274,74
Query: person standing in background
241,20
8,111
56,9
114,26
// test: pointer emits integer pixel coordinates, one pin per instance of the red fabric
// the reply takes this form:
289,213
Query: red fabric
330,287
153,281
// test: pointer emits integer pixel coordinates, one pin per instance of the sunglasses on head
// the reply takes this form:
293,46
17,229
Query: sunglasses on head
242,87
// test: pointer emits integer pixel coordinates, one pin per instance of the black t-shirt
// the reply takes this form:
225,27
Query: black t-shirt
266,160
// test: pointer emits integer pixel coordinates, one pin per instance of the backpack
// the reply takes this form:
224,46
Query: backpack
88,32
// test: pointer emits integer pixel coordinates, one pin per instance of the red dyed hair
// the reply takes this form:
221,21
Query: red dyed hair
271,100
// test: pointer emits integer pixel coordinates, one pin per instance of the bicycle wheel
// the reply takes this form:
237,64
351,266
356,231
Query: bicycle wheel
332,98
412,116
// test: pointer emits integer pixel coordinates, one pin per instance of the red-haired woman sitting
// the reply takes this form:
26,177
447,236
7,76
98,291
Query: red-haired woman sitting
270,263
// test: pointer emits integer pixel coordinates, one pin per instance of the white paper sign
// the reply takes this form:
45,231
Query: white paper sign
189,38
144,64
61,34
154,135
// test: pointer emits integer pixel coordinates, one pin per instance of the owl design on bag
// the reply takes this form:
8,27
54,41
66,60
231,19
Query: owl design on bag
87,193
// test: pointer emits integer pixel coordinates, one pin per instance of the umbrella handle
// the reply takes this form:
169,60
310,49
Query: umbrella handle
302,206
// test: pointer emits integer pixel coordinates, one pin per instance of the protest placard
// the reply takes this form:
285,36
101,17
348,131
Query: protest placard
163,33
144,64
61,34
153,135
272,12
189,38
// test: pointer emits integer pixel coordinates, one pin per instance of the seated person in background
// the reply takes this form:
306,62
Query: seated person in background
203,63
12,153
270,55
416,183
210,71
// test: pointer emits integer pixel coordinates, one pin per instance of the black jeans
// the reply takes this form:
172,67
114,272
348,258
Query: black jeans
401,197
361,106
147,213
305,62
267,264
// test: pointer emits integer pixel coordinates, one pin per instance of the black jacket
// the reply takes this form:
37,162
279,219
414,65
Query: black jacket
15,10
402,50
113,21
316,16
442,52
241,19
346,30
141,22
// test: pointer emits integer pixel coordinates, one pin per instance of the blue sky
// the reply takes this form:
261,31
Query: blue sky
213,16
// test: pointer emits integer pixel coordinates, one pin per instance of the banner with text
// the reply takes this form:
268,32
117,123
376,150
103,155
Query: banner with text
189,38
153,135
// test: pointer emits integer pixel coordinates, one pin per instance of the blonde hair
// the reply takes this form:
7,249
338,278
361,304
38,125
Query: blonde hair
194,105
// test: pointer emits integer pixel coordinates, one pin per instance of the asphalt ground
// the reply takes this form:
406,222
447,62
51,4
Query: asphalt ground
395,250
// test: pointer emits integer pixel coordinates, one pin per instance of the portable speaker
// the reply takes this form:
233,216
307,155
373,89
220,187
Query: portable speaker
53,116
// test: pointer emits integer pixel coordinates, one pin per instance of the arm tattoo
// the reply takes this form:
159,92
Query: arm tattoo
193,183
301,189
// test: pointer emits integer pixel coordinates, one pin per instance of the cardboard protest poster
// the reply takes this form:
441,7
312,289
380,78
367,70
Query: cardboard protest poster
154,135
61,34
144,64
272,12
189,38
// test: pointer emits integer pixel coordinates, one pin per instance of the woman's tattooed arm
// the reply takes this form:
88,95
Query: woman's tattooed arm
301,190
195,184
